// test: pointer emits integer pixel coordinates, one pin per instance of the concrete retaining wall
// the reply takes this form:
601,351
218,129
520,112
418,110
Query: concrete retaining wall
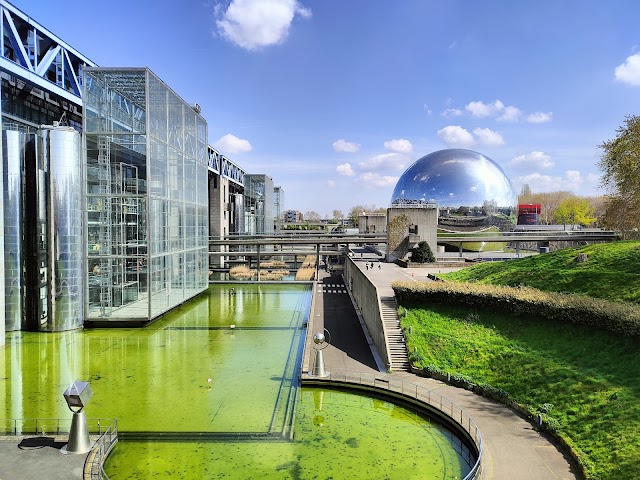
366,297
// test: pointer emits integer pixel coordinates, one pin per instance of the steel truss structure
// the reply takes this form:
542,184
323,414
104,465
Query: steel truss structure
34,54
221,165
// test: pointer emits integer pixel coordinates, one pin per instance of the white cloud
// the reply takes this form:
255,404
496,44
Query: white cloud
571,180
384,161
535,159
370,179
454,135
343,146
400,145
539,182
629,71
452,112
427,109
593,178
489,137
254,24
482,110
345,169
540,117
510,114
331,183
232,144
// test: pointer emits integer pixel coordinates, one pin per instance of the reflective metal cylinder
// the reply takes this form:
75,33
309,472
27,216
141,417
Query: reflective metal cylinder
61,157
13,155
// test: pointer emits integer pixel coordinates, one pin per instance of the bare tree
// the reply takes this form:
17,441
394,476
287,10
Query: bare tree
312,216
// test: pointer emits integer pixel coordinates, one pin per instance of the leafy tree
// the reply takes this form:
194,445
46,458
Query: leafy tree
549,201
575,210
620,165
422,253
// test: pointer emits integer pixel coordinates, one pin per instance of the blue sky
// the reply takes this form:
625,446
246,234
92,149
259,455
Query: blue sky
334,99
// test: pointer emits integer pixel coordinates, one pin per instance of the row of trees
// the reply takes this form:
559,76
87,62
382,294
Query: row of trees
565,208
557,208
352,215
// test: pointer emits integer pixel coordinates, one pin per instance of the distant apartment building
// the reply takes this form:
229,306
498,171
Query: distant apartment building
293,216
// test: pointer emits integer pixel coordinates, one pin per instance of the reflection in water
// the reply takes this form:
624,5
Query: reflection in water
157,378
222,392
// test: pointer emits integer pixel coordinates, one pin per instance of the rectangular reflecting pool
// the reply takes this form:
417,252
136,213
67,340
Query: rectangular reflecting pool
188,373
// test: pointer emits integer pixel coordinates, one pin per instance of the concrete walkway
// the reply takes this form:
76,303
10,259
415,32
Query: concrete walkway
38,458
513,450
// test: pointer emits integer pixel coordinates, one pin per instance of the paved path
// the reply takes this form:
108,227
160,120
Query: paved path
513,450
38,458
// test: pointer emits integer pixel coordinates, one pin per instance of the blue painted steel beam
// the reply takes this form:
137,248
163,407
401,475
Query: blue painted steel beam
20,56
221,165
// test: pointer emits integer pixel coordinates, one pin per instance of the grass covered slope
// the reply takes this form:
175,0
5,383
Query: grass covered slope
585,382
611,271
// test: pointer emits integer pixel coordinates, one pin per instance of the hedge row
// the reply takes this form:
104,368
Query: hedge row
618,317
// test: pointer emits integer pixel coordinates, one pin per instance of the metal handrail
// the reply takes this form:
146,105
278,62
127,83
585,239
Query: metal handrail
421,394
43,426
94,466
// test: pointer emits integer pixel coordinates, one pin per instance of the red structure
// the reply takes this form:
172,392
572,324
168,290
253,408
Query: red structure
529,214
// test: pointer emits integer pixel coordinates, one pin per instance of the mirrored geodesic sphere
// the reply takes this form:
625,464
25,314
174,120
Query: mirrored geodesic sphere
470,189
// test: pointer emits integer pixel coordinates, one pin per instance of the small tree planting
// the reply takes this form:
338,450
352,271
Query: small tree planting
422,253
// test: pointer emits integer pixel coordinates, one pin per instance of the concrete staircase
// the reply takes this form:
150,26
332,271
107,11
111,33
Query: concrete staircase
395,339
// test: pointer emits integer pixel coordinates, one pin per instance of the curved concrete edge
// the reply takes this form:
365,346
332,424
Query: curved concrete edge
512,448
560,442
473,444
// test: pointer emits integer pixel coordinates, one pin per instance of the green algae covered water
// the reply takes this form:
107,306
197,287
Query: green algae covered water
197,399
338,435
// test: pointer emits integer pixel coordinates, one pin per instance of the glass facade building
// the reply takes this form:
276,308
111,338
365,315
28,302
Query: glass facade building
258,204
146,196
278,207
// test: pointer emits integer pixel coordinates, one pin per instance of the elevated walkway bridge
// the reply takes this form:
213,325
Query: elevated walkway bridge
337,244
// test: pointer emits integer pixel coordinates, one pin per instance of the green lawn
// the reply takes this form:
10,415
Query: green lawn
585,382
612,271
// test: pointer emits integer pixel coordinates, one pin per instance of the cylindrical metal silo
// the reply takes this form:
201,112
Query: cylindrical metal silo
13,152
61,158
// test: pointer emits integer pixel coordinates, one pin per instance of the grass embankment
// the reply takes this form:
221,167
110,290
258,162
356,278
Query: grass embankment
611,271
585,382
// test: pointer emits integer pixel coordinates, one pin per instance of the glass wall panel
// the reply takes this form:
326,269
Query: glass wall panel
190,189
159,184
158,115
180,160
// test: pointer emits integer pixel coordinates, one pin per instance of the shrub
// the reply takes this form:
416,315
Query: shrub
618,317
422,253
